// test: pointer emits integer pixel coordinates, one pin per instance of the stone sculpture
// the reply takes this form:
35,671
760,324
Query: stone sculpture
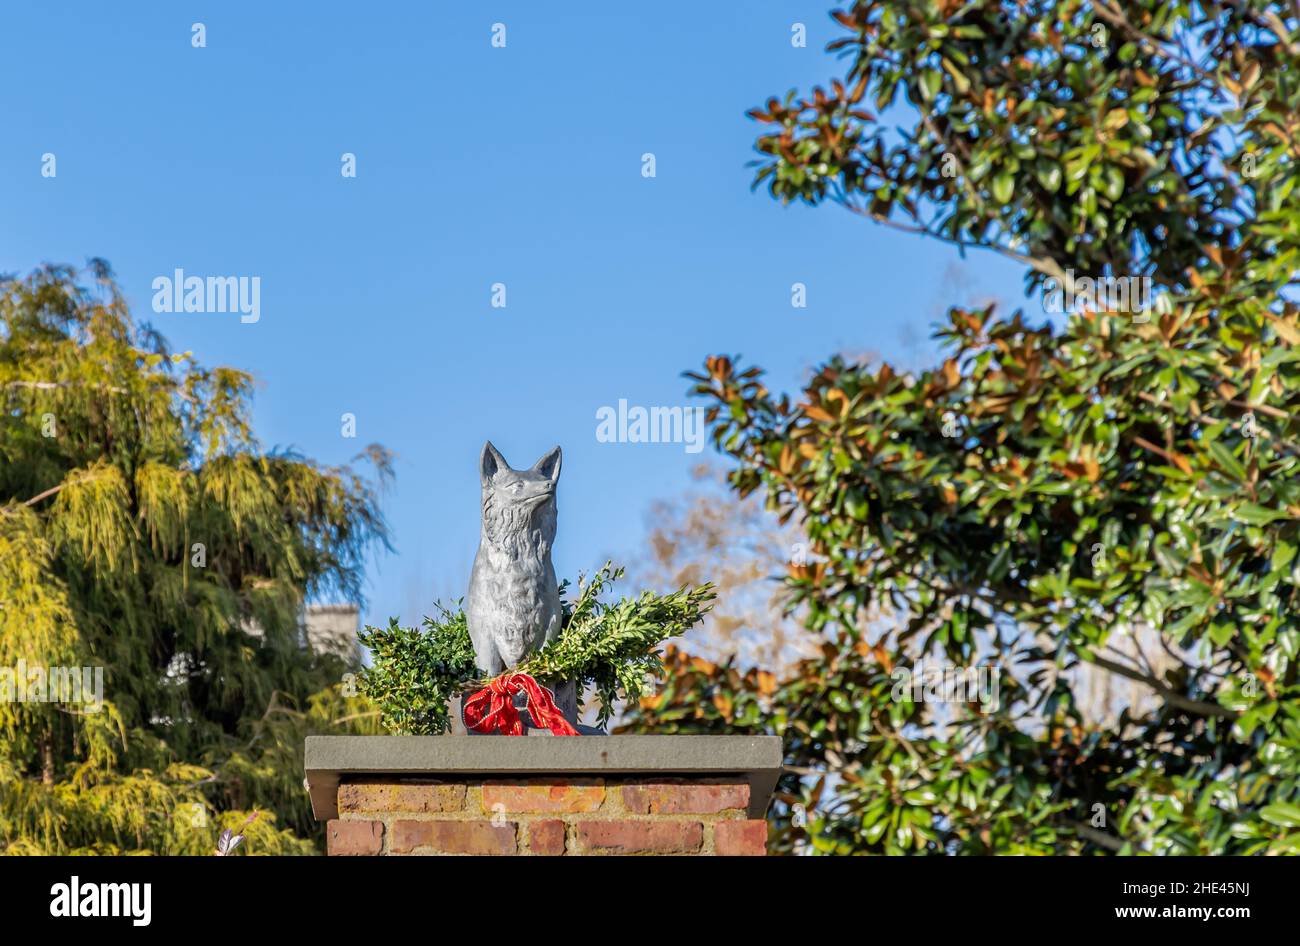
513,607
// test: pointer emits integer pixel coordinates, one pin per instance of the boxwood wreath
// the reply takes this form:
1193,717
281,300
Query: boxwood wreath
613,648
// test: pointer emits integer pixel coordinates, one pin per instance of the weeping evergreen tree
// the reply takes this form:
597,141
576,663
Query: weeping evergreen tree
143,531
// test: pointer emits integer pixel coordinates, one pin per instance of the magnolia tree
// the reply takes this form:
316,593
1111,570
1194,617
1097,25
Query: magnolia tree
154,684
1056,491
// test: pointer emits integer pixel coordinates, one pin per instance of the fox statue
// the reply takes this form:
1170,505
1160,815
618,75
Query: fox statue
514,601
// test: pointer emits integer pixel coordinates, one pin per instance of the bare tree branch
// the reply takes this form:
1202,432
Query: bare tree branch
1170,695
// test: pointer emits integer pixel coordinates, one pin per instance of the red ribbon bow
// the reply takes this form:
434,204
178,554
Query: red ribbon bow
493,707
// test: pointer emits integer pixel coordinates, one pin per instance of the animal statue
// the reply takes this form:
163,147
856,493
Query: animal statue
513,607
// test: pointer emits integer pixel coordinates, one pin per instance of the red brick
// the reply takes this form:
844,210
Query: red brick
640,837
414,797
546,837
674,798
543,797
344,838
740,838
453,837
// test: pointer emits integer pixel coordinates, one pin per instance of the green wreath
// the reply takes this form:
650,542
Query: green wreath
613,648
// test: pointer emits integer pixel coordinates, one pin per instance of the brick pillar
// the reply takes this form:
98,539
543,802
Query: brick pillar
585,795
545,816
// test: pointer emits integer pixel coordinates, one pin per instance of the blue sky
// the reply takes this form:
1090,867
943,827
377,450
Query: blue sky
475,165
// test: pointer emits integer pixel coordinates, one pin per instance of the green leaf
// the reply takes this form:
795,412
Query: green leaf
1283,814
1003,187
1256,515
1049,175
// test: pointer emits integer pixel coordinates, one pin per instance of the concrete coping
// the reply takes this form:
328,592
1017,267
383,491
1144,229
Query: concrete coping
329,759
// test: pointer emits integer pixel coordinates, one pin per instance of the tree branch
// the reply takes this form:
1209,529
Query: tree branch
54,385
1170,695
1100,838
45,495
1042,264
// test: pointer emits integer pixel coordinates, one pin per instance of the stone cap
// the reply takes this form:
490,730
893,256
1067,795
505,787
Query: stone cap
332,758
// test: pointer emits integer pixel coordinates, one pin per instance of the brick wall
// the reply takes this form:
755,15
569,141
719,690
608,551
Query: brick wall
545,817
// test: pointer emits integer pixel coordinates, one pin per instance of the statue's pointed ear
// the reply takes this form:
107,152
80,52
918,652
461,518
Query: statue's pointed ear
490,462
549,465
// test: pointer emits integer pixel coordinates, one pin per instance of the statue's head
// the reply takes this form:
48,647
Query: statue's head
518,501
